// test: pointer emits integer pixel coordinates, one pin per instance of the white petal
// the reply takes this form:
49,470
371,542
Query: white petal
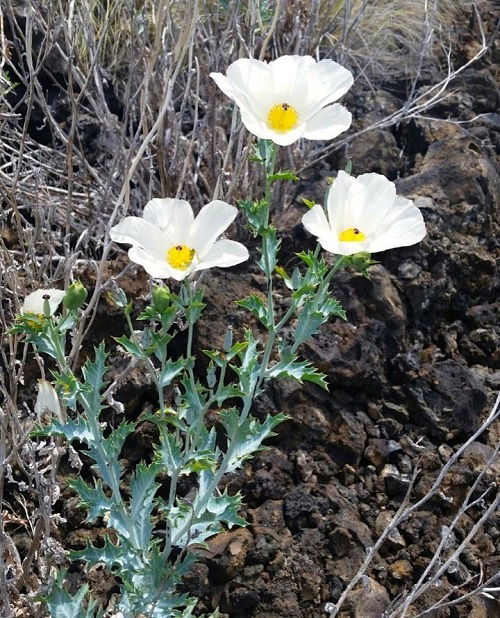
33,303
379,195
156,268
212,220
315,221
337,202
289,77
224,253
326,82
47,399
350,248
255,124
169,213
250,82
404,226
328,122
223,83
287,137
138,232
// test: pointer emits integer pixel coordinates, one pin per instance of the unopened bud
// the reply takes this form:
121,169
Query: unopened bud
361,261
161,298
75,296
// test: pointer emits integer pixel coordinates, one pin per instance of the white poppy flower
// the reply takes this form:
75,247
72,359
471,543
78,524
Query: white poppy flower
168,241
33,303
47,400
364,214
288,98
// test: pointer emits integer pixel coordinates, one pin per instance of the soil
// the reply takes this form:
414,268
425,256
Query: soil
412,373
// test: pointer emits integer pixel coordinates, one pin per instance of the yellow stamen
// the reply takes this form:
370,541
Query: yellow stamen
282,118
352,234
180,257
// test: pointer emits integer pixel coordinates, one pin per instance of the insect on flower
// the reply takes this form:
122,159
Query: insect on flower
168,241
288,98
364,214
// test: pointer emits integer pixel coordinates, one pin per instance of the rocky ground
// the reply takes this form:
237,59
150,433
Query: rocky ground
412,372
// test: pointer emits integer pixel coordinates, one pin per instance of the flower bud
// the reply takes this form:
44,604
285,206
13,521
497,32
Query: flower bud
160,297
75,296
361,261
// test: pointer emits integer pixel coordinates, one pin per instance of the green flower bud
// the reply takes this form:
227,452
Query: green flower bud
361,261
75,296
160,297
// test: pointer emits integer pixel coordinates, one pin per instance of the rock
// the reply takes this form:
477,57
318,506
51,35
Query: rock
340,542
370,599
376,151
395,483
394,540
479,455
448,398
401,569
346,441
268,515
379,450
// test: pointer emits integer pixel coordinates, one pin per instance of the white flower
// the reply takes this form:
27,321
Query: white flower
364,214
169,242
47,399
288,98
33,303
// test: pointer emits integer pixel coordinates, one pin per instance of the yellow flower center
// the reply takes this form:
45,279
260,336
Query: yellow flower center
352,234
283,117
180,257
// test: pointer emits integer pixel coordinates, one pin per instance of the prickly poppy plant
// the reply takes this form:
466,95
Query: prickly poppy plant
154,532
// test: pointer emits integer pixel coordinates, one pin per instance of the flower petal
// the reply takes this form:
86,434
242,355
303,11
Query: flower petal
47,399
169,213
33,303
138,232
403,226
156,268
224,253
328,122
289,76
212,220
248,84
377,200
223,83
315,221
325,82
337,202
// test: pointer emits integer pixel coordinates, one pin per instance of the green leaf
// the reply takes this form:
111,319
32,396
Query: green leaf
270,248
68,387
309,203
284,175
169,451
142,493
228,392
93,498
172,369
93,373
253,212
257,307
226,509
236,349
72,429
62,605
110,555
130,346
246,437
290,367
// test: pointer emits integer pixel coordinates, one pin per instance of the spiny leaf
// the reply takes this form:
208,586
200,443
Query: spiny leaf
289,366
